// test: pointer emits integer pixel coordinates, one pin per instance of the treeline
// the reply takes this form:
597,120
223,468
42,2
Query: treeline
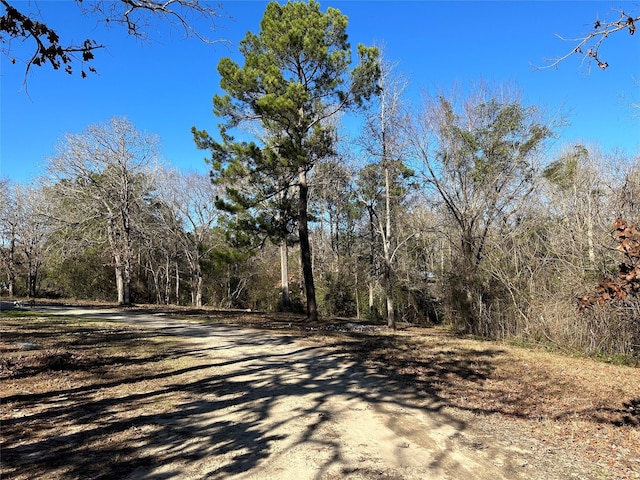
480,233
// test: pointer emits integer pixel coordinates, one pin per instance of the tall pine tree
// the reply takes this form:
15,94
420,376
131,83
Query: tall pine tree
296,76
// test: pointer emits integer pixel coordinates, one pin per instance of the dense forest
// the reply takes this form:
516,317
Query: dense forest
460,210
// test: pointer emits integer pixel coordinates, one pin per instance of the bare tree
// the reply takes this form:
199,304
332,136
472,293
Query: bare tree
577,185
24,232
479,156
190,199
9,224
384,143
102,179
33,232
134,15
335,238
588,45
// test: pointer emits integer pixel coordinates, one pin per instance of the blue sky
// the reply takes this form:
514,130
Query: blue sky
166,87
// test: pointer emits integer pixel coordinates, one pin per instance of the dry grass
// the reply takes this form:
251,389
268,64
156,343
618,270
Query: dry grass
61,381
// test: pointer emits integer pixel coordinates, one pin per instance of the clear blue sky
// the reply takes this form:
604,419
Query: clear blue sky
166,87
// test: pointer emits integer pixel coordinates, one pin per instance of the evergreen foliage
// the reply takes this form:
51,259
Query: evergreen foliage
295,77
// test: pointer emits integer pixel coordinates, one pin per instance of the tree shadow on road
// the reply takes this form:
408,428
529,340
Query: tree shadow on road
222,399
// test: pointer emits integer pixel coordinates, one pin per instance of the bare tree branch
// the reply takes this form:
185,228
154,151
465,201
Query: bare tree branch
178,13
589,45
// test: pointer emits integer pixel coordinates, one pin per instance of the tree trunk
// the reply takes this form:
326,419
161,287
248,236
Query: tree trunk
305,248
388,287
590,243
177,284
118,263
284,275
372,265
11,267
229,304
156,282
167,275
119,281
356,292
127,281
386,238
127,256
33,279
469,315
198,288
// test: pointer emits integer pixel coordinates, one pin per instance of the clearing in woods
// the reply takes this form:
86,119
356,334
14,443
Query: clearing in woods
149,394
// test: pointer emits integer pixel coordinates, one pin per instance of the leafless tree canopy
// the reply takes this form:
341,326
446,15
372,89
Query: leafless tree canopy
103,177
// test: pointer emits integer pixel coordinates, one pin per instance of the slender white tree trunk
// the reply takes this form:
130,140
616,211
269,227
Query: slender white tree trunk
177,283
386,241
284,275
117,260
198,302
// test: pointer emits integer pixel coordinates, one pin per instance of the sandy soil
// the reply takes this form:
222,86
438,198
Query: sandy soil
268,405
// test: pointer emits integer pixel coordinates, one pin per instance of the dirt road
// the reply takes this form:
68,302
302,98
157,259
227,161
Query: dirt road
262,405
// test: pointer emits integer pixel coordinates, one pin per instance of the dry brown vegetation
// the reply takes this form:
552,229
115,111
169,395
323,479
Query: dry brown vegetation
63,378
579,405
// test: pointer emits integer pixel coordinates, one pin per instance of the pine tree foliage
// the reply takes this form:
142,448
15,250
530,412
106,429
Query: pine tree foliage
295,77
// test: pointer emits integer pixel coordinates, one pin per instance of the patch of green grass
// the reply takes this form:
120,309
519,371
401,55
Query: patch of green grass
612,358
